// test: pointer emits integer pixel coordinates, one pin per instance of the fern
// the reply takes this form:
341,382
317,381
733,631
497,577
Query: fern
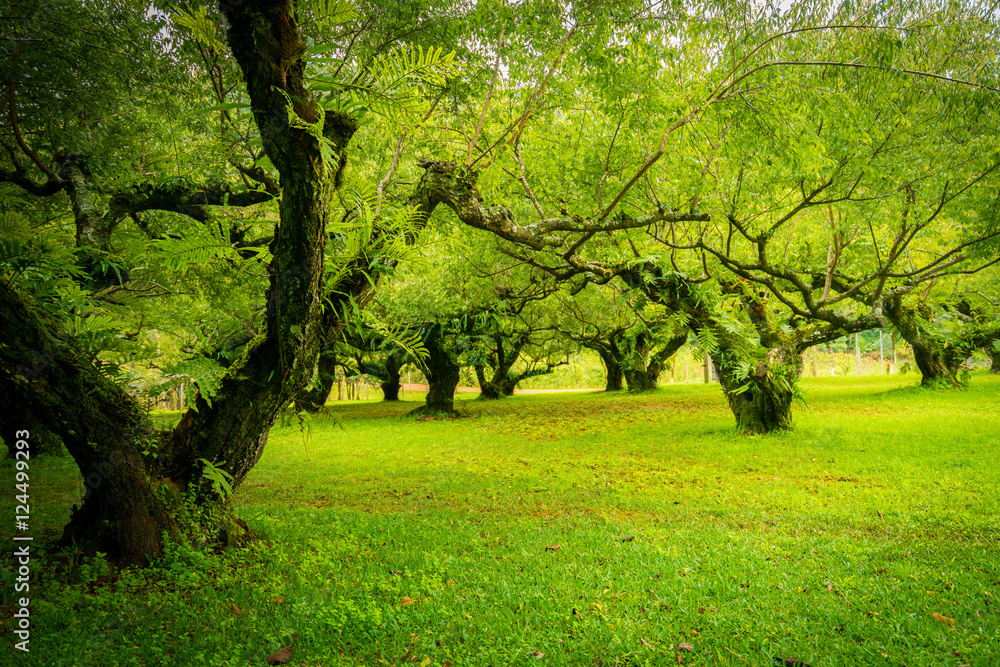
197,245
327,151
331,13
204,372
200,25
390,85
221,481
707,340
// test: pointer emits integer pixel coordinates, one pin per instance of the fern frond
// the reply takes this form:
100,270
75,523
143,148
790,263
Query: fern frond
390,85
331,13
200,25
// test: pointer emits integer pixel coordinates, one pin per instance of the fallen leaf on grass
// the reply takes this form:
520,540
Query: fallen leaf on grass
277,600
536,654
406,600
236,611
943,619
284,655
879,514
684,646
628,539
645,643
829,587
554,547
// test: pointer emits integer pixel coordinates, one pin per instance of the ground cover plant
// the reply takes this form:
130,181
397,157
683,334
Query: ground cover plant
573,529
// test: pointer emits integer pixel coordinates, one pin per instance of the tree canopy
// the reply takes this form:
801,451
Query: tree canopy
215,194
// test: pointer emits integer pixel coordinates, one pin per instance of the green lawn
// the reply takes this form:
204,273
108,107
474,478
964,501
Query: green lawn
867,536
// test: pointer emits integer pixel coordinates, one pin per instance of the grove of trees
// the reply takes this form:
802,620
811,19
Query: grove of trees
246,195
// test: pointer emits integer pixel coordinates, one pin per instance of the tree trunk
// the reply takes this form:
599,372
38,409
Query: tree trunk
635,373
615,374
762,402
391,385
314,399
509,383
442,377
104,429
502,382
637,380
660,358
40,441
132,495
994,360
938,362
488,390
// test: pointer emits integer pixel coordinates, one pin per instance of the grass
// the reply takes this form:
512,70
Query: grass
390,541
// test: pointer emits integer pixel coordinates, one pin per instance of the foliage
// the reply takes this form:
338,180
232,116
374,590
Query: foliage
217,477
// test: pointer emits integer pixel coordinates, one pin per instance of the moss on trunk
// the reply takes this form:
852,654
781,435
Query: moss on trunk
937,360
392,383
762,401
442,377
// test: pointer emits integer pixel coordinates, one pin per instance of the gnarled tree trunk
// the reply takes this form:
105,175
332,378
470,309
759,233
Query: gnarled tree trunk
509,383
128,507
488,390
43,376
442,377
503,360
645,367
937,360
762,402
613,365
391,384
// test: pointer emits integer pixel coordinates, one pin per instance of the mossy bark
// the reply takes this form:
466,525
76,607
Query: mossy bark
937,360
442,378
40,441
762,402
126,511
43,377
314,399
392,383
646,364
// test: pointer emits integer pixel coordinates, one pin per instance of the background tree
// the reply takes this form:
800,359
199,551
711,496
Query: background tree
782,74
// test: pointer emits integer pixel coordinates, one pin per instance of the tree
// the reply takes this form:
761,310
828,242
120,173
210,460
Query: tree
135,474
837,134
633,338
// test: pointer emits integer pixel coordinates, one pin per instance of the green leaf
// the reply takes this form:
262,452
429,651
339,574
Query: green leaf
201,25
